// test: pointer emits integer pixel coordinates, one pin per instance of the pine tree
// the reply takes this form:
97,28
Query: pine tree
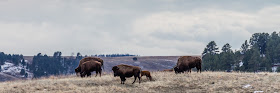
244,47
210,57
226,48
226,58
211,48
22,72
26,75
258,41
23,62
253,63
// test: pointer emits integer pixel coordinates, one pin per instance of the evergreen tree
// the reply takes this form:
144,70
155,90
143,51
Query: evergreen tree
226,58
259,40
2,58
211,48
22,72
44,65
210,57
253,63
226,48
244,47
26,75
23,62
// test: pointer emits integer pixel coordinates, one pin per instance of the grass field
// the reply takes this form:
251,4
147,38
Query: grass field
163,82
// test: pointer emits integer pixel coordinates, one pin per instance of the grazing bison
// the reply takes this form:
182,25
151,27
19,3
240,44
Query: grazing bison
186,63
78,69
127,71
147,74
89,66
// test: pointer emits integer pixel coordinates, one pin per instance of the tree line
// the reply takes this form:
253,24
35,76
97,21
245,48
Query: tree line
44,65
114,55
260,53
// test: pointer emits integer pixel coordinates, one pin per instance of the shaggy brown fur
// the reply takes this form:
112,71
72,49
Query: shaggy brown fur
127,71
186,63
78,69
147,74
89,66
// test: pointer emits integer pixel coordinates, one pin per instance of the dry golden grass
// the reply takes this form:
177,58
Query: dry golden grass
164,82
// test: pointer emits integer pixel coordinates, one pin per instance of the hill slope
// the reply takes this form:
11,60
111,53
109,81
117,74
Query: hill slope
164,82
6,77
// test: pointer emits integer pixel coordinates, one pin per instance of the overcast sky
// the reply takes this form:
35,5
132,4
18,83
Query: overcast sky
142,27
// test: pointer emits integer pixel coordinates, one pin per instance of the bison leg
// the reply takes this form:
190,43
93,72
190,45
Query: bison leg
96,73
88,74
100,71
134,79
82,75
198,69
139,78
122,80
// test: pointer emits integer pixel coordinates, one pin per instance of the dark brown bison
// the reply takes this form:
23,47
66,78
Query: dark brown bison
186,63
78,69
147,74
127,71
89,66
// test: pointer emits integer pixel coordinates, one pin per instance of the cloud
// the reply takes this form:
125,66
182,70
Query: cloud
154,27
201,26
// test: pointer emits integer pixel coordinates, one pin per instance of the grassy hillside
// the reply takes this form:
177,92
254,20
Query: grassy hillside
163,82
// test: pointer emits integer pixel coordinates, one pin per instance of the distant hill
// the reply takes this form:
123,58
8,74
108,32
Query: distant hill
153,63
6,77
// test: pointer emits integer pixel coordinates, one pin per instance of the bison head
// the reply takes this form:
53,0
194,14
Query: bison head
115,70
77,71
178,70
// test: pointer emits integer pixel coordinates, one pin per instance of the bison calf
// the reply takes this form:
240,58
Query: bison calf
89,66
147,74
127,71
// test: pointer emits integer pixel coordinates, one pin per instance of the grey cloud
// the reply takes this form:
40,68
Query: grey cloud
126,26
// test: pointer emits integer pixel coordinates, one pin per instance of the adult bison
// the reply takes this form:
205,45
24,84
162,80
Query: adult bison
89,66
186,63
78,69
127,71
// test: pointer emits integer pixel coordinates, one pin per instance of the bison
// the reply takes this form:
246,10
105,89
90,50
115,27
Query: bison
89,66
127,71
147,74
186,63
78,69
